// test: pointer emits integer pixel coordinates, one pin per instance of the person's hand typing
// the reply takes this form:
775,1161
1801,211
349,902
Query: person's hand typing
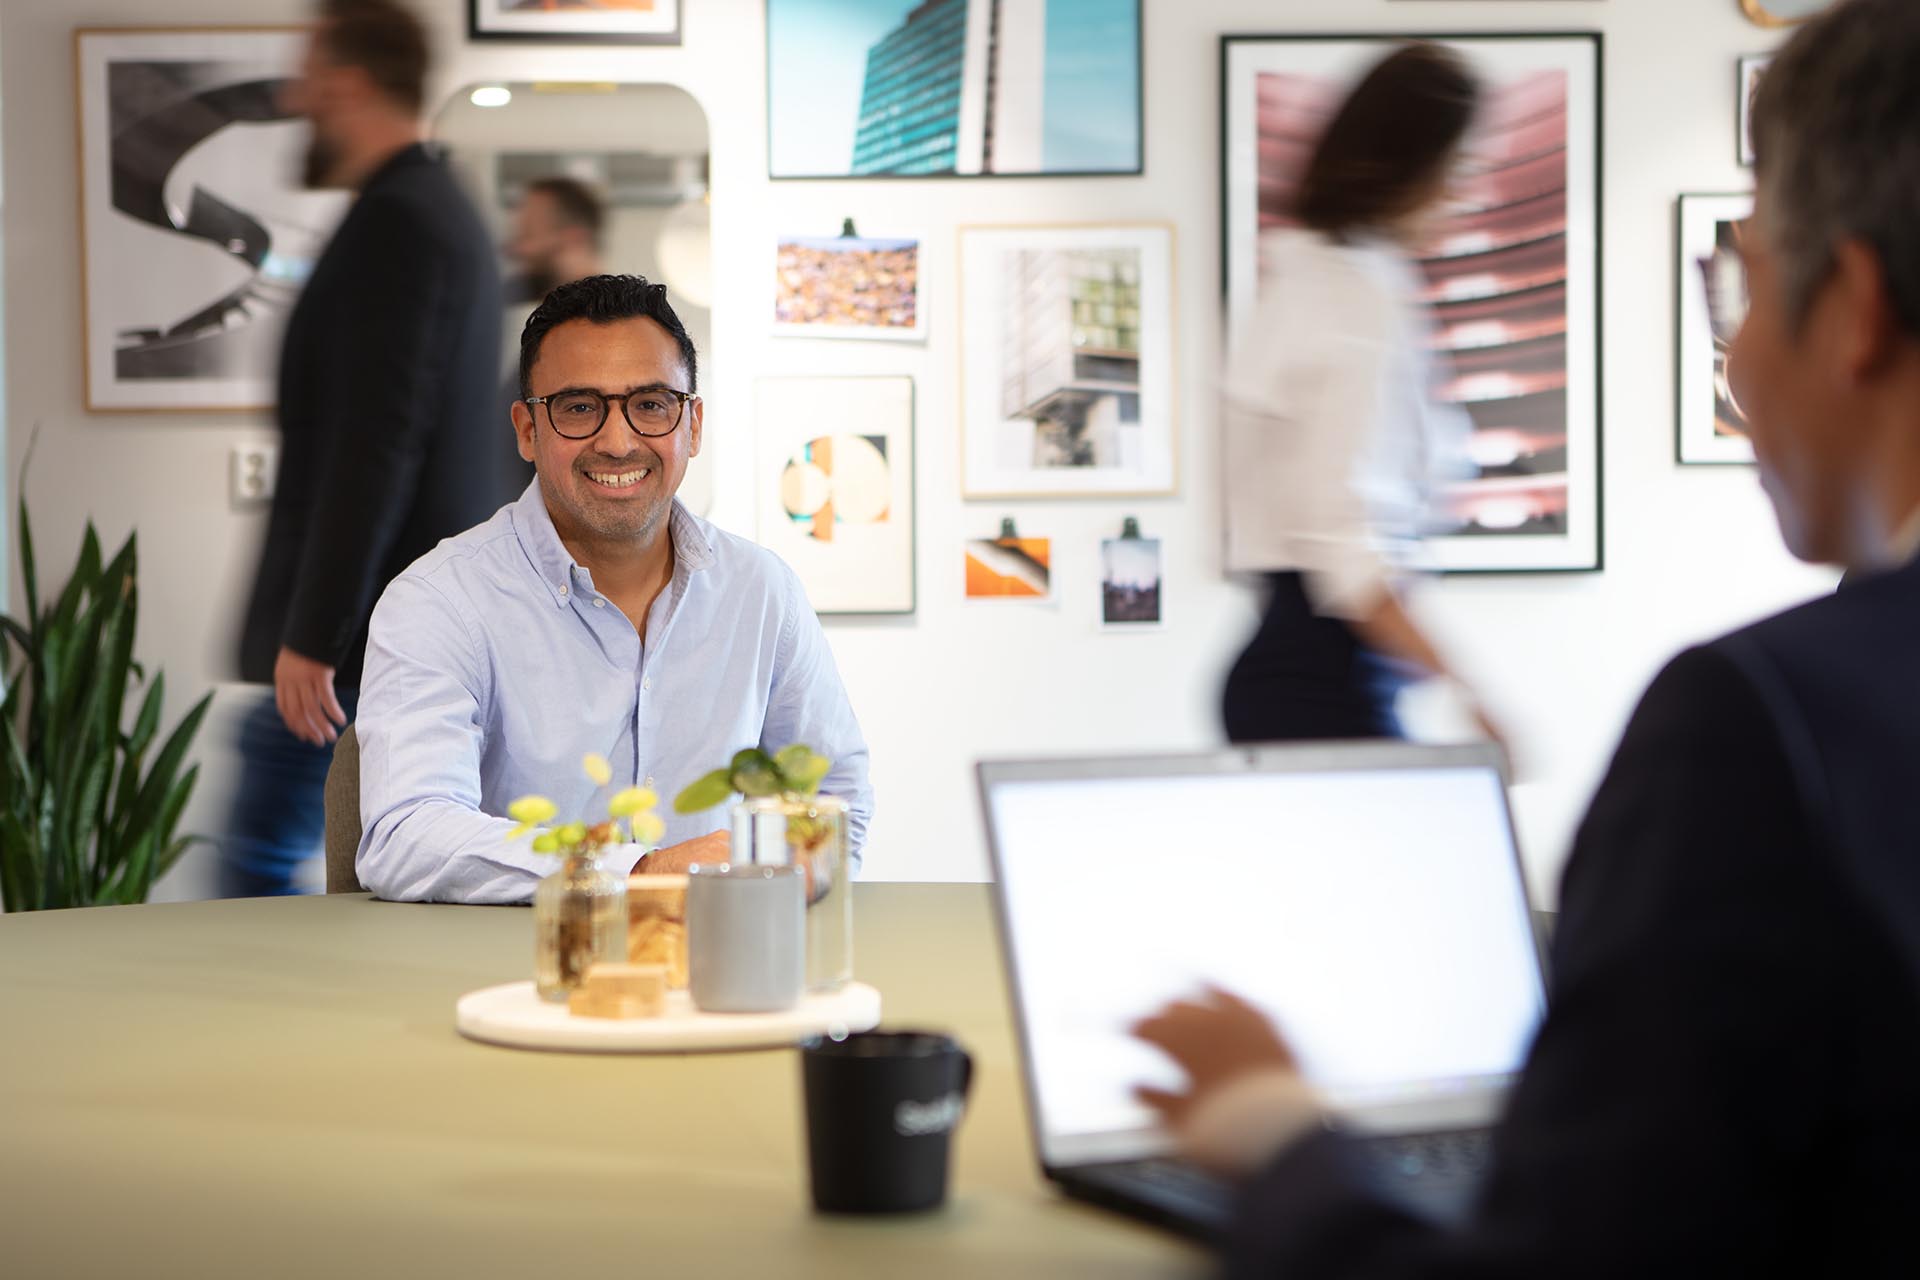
715,846
1245,1097
303,693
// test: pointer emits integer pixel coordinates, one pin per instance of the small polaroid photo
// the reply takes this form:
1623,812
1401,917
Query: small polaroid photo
1010,569
1132,575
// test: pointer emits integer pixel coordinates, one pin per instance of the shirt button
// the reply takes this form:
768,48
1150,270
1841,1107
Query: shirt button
563,591
647,683
649,780
599,604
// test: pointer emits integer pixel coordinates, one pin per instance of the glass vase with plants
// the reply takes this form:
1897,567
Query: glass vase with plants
580,911
782,818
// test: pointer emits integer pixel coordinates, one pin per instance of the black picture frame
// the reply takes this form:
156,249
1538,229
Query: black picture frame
476,31
1138,169
1585,546
1696,443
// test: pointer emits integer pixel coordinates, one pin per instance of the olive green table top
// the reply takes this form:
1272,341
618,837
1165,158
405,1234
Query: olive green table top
274,1088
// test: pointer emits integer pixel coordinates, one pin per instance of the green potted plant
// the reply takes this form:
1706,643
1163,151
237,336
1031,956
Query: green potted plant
88,807
782,817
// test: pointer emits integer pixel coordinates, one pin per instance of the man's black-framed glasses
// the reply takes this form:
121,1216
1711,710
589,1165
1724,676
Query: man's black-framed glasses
580,412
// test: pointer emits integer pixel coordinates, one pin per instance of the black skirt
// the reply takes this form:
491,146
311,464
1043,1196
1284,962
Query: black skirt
1308,677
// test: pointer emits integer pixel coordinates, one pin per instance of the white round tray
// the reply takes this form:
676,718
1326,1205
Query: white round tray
515,1015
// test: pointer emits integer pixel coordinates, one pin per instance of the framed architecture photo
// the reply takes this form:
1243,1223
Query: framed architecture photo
1511,275
835,464
1751,69
954,88
1067,361
847,287
1711,303
576,21
195,233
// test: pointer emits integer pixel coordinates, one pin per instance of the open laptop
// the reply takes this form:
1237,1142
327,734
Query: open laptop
1369,896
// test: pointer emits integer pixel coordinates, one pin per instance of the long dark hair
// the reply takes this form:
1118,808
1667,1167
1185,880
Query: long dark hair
1389,143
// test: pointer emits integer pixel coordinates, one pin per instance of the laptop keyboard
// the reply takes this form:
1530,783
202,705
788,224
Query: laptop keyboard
1462,1154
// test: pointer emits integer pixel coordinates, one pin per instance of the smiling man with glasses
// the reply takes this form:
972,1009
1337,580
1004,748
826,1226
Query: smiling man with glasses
594,615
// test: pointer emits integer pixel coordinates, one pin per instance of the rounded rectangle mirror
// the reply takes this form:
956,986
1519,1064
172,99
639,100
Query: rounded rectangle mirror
580,178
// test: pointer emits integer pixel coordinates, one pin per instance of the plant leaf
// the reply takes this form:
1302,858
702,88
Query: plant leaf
704,793
753,773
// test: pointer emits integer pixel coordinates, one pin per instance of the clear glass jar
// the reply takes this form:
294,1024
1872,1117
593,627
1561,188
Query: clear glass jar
579,918
809,832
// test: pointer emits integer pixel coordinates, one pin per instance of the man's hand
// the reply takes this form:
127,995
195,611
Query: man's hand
303,692
713,847
1215,1040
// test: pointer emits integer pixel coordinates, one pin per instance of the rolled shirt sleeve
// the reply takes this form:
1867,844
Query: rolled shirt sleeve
424,836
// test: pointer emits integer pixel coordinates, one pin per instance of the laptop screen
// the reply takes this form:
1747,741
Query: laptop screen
1372,905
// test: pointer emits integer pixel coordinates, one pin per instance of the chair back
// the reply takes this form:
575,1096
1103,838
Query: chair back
342,804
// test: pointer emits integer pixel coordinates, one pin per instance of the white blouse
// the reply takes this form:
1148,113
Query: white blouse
1334,446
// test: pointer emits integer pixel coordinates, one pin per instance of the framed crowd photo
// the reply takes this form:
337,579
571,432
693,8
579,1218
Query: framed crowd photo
196,232
1511,272
1067,361
1752,68
836,472
848,286
576,21
1712,302
947,88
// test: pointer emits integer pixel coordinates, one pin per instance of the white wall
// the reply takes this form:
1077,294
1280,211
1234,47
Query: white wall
1689,552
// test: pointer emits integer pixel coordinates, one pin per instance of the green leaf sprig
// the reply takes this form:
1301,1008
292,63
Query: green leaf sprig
796,770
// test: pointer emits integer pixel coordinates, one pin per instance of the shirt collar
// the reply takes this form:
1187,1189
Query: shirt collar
533,524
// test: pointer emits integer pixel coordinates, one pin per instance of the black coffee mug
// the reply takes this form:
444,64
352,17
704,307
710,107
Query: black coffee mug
881,1109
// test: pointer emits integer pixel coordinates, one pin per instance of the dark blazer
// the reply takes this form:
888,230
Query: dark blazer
389,414
1728,1078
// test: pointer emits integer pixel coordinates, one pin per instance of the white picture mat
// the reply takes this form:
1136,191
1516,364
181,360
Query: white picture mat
1752,67
1578,56
1152,469
1700,216
1378,915
493,16
916,332
867,568
138,275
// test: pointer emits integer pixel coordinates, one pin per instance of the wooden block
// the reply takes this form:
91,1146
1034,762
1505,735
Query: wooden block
620,991
657,924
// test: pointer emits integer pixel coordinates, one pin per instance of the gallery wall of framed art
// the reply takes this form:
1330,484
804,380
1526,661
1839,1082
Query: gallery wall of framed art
1076,667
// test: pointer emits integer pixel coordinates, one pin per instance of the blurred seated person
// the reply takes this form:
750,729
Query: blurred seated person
595,614
1724,1081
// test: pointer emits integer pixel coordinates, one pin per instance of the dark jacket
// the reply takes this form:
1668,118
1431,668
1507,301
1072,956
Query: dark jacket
389,415
1728,1078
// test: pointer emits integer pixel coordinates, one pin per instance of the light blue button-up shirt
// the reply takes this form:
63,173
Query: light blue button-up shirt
494,666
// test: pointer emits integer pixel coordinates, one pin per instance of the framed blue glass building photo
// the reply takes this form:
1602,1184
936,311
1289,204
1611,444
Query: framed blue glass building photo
953,88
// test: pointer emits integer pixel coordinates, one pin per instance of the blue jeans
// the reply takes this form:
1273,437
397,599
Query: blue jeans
278,814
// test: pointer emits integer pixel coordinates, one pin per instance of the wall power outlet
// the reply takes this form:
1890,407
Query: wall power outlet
251,469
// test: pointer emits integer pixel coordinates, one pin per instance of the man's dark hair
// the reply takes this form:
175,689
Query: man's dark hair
574,202
1836,143
1389,142
384,39
603,300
